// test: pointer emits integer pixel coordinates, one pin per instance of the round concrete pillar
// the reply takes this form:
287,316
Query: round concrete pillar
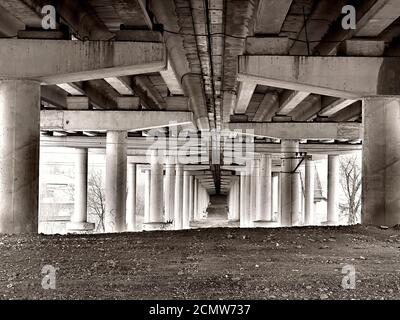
78,221
186,199
242,198
191,199
156,219
333,184
19,156
309,192
116,167
169,191
178,207
147,182
264,197
131,199
290,184
254,178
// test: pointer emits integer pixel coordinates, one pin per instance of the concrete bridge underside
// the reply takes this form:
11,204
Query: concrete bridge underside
262,87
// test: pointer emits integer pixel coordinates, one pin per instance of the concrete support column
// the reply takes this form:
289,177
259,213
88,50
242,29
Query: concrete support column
309,192
254,178
264,189
156,216
19,156
235,216
242,199
191,199
169,192
203,201
275,196
195,199
131,198
247,196
147,183
186,199
381,161
78,221
333,183
290,184
178,207
116,167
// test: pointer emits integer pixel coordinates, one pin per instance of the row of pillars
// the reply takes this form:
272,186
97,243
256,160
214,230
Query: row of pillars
259,192
19,165
175,198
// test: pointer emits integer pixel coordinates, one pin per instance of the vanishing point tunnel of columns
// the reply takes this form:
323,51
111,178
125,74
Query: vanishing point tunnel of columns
203,104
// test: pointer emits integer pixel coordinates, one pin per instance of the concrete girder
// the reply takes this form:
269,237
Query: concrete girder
9,25
25,11
271,16
61,61
54,95
323,14
246,90
268,108
141,145
82,19
307,109
192,84
171,80
111,120
299,130
72,89
366,11
291,100
351,112
144,88
120,85
383,14
343,77
335,107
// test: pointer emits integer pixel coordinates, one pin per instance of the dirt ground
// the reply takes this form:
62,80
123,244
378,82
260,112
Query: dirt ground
296,263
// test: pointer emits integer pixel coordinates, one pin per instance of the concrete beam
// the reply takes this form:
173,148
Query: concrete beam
344,77
82,19
9,25
271,15
290,101
100,94
146,91
111,120
267,45
335,106
24,12
351,112
71,88
171,80
61,61
366,11
306,110
54,96
120,85
298,130
381,16
268,108
138,35
246,90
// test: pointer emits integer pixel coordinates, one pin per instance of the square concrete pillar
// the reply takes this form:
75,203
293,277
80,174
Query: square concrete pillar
381,161
19,156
